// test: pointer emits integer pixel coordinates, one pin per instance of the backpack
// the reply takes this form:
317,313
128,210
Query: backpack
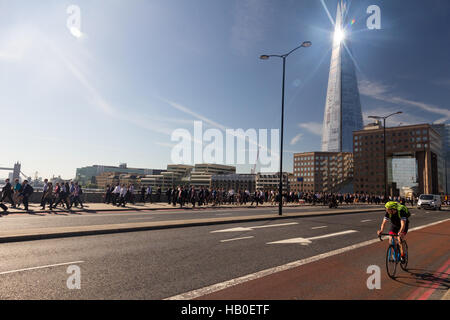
404,210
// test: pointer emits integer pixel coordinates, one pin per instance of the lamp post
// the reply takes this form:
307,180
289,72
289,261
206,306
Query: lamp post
305,44
384,148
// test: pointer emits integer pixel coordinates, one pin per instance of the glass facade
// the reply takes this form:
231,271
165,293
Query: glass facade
342,107
403,171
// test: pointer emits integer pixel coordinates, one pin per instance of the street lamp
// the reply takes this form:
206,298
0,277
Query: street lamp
384,148
305,44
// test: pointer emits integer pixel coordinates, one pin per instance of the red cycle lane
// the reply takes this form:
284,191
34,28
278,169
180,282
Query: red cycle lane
345,276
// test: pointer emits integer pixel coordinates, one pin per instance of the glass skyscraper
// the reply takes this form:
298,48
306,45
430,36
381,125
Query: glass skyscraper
342,107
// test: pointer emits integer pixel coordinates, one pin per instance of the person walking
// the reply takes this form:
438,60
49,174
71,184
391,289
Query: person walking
17,191
77,195
26,192
122,196
47,197
116,194
149,194
44,191
7,193
142,194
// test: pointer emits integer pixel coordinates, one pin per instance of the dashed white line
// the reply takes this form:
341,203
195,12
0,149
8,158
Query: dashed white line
41,267
366,220
313,228
234,239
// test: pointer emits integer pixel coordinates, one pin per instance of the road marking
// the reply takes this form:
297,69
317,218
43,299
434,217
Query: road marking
425,294
366,220
307,241
227,240
240,229
260,274
223,214
41,267
314,228
141,218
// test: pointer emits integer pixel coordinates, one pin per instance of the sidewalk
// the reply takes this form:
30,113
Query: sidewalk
100,207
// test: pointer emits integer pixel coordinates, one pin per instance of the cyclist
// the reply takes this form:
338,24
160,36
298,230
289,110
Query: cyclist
398,215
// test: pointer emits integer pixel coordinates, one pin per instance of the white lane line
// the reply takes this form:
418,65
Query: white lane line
240,229
223,214
306,241
366,220
314,228
242,238
41,267
146,218
233,282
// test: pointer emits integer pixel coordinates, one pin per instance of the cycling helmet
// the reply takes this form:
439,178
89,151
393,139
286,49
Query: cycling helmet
391,205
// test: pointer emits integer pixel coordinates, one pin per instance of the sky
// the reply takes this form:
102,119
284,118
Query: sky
138,70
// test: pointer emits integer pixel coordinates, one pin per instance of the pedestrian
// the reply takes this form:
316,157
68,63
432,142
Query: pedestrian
44,191
122,196
116,194
143,194
149,194
17,191
26,192
7,193
47,197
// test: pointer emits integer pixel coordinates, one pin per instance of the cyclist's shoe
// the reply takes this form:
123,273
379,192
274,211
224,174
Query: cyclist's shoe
402,260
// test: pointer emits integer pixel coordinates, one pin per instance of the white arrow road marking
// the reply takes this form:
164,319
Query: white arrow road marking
256,227
307,241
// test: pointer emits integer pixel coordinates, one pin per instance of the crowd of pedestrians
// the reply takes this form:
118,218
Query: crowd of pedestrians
16,194
121,194
64,194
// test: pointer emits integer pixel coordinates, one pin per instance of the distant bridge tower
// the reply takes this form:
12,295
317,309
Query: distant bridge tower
16,171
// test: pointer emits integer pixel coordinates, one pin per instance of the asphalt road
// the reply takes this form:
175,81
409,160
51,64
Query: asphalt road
160,264
67,219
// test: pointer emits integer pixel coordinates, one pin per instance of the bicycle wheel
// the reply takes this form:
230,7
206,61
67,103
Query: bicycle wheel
405,251
391,261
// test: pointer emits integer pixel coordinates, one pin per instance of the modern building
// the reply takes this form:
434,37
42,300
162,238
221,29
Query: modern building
197,176
413,160
202,174
86,175
271,181
323,172
444,132
234,182
343,113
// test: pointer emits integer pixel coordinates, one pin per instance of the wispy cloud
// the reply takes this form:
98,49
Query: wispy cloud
296,139
312,127
382,92
403,119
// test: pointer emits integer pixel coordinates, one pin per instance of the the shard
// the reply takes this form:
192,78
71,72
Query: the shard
342,107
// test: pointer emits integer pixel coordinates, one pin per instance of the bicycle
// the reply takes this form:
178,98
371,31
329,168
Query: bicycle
393,255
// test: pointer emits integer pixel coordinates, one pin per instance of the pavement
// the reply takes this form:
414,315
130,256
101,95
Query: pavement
79,222
103,207
309,257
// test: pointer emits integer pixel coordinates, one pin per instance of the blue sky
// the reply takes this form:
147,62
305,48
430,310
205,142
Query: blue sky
145,68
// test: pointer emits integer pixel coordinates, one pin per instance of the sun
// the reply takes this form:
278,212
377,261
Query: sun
339,35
